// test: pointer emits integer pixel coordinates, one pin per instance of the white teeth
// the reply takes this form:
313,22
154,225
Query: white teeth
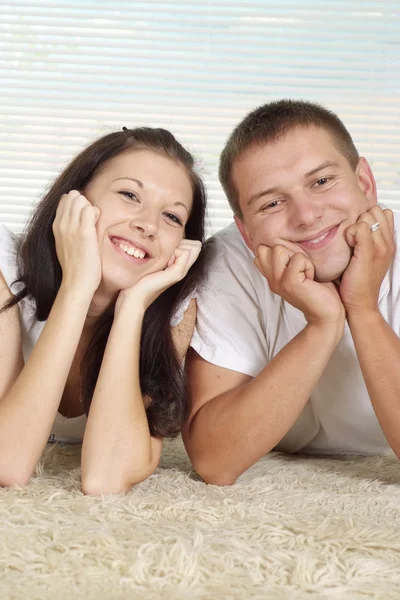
318,239
132,251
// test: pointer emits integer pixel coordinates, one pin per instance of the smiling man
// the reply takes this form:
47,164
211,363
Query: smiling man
296,346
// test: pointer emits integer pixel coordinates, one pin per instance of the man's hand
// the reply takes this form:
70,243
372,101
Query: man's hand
372,256
291,276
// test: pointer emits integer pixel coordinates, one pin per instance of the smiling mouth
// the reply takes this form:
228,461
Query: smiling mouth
129,249
320,241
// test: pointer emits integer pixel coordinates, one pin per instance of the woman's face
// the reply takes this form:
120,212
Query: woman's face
145,200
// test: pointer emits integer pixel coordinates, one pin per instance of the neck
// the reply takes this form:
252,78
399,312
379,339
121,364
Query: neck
101,300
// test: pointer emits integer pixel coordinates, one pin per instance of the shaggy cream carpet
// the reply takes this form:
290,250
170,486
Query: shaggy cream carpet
292,527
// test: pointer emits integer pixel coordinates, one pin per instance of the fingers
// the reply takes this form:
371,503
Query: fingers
380,238
282,268
300,267
88,216
74,211
272,262
185,255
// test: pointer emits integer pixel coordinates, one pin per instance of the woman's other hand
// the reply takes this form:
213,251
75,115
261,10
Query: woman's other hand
77,248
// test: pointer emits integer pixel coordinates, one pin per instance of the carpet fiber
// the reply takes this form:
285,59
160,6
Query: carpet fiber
292,527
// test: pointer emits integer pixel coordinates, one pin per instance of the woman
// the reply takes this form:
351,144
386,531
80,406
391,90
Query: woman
102,272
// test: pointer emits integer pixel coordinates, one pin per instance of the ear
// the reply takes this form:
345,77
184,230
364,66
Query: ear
366,181
242,228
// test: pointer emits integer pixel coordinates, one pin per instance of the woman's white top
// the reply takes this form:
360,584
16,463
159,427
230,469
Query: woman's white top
64,429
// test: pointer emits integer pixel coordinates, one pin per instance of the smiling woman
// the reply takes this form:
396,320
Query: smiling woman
153,195
109,260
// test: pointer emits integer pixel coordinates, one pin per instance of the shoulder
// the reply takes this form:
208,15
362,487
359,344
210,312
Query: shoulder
230,268
228,256
9,270
8,255
8,243
228,241
396,218
396,271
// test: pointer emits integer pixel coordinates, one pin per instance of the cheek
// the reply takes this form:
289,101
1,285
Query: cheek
101,227
266,232
353,200
169,242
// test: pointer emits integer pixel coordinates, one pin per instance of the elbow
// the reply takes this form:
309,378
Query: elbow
8,479
103,486
212,476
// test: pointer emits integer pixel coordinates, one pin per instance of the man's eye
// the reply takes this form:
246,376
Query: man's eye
273,204
321,181
130,196
173,218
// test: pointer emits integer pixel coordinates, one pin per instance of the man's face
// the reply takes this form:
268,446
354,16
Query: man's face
301,192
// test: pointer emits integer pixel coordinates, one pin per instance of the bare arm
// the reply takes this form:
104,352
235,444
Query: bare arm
183,331
30,394
378,350
377,345
236,419
118,450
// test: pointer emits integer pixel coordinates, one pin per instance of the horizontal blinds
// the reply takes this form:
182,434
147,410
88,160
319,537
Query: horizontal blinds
73,70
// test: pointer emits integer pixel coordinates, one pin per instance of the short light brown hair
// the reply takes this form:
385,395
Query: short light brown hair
272,121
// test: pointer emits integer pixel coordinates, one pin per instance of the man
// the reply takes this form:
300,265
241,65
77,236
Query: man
296,346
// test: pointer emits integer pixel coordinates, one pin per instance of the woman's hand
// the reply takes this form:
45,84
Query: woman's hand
149,287
77,248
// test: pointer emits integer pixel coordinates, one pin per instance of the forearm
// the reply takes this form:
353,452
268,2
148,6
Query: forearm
378,351
28,410
117,447
234,430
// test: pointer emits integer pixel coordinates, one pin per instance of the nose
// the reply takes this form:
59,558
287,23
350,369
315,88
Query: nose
305,211
146,223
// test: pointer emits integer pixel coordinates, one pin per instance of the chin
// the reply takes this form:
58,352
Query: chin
118,281
327,277
327,273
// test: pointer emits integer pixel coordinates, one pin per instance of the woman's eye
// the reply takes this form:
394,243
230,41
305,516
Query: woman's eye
130,196
173,218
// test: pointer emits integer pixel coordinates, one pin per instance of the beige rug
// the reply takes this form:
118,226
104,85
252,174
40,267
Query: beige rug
291,528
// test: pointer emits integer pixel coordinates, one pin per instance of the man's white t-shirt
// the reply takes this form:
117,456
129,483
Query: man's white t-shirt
242,325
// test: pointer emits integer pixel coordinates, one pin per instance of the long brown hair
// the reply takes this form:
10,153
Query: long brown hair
161,376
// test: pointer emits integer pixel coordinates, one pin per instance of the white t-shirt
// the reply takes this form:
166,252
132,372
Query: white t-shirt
242,325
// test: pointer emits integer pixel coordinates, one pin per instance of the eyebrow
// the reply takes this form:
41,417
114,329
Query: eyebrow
273,190
325,165
140,184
